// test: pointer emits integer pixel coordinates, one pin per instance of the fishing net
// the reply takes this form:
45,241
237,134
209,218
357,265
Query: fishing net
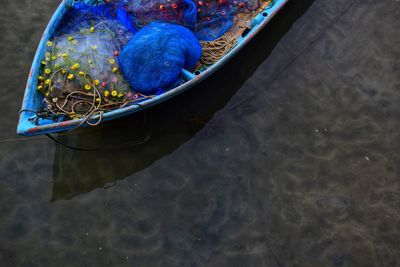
155,56
80,74
107,54
208,19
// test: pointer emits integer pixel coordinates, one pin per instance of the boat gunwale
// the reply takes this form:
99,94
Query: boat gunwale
23,129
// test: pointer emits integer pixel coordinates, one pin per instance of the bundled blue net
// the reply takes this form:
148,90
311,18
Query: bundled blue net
154,58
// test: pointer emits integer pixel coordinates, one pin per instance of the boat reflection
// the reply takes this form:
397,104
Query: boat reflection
166,126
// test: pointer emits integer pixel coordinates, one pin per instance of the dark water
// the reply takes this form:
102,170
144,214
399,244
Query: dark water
288,156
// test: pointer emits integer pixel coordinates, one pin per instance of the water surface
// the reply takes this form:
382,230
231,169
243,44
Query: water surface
288,156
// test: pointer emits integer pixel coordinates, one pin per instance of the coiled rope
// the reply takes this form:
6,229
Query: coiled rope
215,50
93,101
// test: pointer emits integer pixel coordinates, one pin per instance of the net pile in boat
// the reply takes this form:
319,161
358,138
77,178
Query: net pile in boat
107,54
155,56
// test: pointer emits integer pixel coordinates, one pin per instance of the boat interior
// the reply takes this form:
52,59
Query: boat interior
104,60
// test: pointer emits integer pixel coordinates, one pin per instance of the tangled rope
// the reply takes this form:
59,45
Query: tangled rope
92,104
215,50
89,99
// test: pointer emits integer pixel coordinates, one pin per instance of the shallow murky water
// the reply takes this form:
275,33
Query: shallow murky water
288,156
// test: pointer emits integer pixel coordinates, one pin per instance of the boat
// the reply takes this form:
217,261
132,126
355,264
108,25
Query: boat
33,99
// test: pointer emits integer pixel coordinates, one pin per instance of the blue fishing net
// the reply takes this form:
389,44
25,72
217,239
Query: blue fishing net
165,40
154,58
166,34
107,54
208,19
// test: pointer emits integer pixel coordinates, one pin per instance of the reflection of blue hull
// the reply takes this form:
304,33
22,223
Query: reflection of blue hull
32,99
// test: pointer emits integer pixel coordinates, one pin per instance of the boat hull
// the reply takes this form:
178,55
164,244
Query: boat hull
32,99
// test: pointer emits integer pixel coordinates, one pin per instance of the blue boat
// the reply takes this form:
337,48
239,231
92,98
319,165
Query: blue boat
33,99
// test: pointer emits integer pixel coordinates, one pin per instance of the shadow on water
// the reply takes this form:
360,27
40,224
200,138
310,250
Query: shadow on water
168,125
